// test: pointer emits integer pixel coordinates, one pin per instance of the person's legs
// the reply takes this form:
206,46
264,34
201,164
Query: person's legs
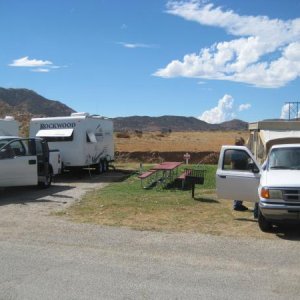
238,205
255,211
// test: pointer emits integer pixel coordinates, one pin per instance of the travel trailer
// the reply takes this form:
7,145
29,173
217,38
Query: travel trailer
265,134
83,140
9,126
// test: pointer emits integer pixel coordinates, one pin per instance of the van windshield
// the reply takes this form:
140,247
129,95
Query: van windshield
285,158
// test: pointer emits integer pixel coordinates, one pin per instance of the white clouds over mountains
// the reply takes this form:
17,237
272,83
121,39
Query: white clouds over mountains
244,59
224,111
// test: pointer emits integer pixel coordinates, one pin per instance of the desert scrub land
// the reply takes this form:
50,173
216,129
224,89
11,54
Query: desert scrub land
196,141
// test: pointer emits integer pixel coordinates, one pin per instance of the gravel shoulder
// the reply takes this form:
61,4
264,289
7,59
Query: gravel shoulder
44,257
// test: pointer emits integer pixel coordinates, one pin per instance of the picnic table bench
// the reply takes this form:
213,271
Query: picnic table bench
148,177
182,177
160,174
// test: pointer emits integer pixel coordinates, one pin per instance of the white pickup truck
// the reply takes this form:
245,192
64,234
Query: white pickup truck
275,185
25,162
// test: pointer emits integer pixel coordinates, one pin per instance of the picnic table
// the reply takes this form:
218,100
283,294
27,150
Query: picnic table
161,174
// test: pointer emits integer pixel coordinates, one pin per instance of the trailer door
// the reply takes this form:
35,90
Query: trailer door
17,166
238,174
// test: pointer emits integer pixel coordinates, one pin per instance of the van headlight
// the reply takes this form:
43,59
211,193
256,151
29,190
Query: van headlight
270,193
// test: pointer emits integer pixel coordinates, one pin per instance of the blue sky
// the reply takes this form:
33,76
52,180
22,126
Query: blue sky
214,60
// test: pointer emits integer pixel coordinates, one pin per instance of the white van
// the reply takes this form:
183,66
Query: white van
83,140
9,126
275,185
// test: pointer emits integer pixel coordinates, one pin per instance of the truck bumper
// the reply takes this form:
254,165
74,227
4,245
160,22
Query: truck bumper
280,212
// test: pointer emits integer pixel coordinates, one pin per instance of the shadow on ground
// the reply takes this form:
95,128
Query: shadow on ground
87,175
23,195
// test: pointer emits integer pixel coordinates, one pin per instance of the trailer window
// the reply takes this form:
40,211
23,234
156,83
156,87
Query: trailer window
56,135
58,138
90,137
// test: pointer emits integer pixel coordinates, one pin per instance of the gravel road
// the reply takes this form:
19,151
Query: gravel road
46,257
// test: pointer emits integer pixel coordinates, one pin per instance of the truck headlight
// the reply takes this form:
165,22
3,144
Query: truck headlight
270,193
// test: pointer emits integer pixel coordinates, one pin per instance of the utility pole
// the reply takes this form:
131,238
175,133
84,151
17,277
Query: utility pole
293,110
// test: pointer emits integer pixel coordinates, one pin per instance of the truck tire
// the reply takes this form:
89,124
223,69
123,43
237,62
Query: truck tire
263,223
47,181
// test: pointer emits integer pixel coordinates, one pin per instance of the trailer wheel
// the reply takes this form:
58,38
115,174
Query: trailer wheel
105,165
99,167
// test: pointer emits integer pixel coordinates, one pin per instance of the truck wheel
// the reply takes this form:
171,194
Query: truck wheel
47,181
99,167
263,224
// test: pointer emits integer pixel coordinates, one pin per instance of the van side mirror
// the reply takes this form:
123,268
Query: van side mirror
253,167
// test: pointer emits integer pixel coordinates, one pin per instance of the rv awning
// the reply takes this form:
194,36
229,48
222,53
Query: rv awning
55,133
269,135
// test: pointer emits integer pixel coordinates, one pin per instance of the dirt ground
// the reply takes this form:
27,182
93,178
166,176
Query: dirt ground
203,146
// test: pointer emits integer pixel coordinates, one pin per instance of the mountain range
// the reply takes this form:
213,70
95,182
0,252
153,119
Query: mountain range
24,104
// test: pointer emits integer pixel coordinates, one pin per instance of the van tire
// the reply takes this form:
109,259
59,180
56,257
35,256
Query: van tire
263,223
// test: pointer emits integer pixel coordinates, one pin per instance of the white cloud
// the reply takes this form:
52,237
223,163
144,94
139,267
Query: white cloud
136,45
245,106
222,112
241,59
40,70
26,62
285,111
39,66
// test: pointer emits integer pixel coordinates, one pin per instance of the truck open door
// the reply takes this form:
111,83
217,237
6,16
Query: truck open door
17,165
238,174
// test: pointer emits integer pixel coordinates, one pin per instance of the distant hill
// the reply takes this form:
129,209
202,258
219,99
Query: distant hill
173,123
24,104
23,101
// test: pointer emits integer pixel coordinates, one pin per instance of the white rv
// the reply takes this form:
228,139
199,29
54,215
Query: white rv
9,126
265,134
83,140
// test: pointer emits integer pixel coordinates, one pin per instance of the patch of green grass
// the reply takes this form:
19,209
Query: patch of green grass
128,204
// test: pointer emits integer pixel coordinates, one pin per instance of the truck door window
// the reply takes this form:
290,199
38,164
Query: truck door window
7,152
18,148
237,160
39,148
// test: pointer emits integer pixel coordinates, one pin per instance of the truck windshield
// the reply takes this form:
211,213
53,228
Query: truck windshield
285,158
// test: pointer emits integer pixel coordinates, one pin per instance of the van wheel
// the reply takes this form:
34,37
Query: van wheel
47,181
99,168
263,224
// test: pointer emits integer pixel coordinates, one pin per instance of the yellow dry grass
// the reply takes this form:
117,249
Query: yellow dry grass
198,141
